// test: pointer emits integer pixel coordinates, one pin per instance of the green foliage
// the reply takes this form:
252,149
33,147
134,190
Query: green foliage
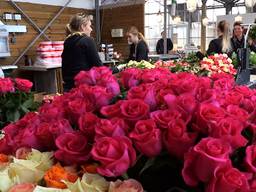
15,105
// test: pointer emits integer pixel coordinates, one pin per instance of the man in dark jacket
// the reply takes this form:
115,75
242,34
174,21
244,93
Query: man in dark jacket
160,44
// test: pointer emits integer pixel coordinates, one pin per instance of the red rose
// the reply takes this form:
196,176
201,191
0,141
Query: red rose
238,113
29,117
48,112
6,85
23,84
232,98
218,76
130,77
223,84
86,124
228,179
153,75
134,110
250,158
206,115
245,91
144,92
161,94
202,160
206,95
78,107
110,128
116,155
147,138
73,148
229,129
248,105
164,117
111,111
110,83
204,82
177,140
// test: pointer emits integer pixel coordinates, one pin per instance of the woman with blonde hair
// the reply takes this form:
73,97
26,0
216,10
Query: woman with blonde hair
80,52
141,47
222,44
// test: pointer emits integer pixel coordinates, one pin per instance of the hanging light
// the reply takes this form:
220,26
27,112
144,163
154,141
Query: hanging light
191,5
177,20
205,21
250,3
238,18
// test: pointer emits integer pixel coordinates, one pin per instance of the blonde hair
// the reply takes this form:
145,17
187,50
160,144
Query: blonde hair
76,23
134,30
223,27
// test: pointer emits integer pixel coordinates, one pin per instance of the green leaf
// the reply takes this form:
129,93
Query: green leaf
147,165
28,103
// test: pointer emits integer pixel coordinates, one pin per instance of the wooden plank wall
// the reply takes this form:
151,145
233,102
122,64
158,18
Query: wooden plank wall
41,14
121,17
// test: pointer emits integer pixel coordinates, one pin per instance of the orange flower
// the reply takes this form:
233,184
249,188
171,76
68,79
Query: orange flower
56,174
4,158
90,168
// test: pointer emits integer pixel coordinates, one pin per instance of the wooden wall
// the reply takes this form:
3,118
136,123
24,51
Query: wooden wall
121,17
41,15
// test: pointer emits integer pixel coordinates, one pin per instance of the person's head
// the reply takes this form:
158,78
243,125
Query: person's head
133,35
80,23
223,30
238,29
163,34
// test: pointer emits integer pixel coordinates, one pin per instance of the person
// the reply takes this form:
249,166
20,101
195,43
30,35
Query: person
141,46
237,41
80,52
131,56
222,44
160,44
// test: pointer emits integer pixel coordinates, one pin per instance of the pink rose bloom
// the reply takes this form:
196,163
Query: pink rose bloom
223,84
250,158
23,85
73,148
232,98
206,115
25,187
111,111
229,129
248,105
147,138
130,77
238,113
177,140
202,160
87,124
6,85
129,185
116,155
144,92
228,179
110,128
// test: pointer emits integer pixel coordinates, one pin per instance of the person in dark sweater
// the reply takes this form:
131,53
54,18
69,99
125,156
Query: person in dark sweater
141,49
80,52
160,44
222,43
237,41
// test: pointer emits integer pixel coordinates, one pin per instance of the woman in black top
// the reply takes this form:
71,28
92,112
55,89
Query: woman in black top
80,52
141,47
222,44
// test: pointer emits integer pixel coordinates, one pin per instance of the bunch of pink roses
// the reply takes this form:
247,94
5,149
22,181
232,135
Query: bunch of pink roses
197,120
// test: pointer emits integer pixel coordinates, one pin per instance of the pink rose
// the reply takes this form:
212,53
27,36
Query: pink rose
238,113
49,112
134,110
153,75
245,91
87,123
218,76
177,140
110,128
164,117
116,155
229,129
250,158
23,85
206,115
73,148
111,111
24,187
29,117
202,160
248,105
223,84
232,98
22,153
144,92
6,85
130,77
129,185
228,179
206,95
110,83
147,138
